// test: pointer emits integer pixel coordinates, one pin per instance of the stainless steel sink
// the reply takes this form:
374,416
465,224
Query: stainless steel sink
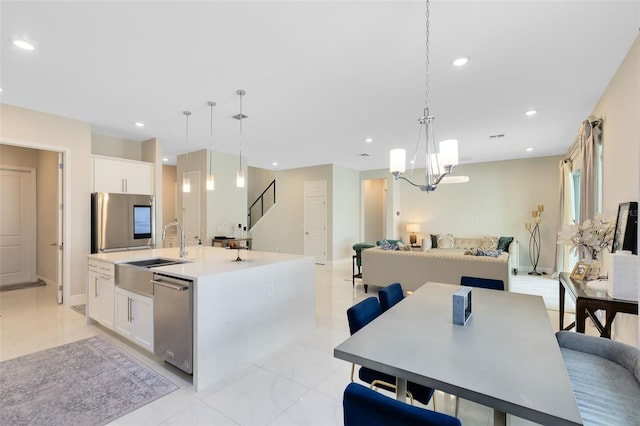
158,261
137,275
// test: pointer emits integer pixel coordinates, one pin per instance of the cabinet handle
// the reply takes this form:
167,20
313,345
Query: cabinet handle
95,285
126,185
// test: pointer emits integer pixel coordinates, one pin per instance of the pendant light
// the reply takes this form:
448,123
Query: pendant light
240,117
439,164
186,182
210,179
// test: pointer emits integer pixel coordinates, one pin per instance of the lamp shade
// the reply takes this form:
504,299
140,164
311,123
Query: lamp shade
186,184
448,155
413,227
397,160
211,185
240,178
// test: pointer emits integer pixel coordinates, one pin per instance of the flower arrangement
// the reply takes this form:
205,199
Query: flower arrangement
589,238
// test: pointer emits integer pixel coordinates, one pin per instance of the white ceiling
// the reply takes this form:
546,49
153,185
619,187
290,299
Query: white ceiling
320,76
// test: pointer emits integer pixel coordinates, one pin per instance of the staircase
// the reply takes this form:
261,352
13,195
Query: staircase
261,205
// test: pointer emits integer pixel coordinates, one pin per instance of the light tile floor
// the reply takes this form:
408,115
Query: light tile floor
301,384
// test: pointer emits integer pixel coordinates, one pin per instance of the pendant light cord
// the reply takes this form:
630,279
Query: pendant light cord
211,105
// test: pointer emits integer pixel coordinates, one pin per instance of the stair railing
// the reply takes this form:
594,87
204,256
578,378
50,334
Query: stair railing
260,200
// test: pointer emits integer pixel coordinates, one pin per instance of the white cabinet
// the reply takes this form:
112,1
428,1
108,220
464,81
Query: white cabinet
134,317
100,292
122,176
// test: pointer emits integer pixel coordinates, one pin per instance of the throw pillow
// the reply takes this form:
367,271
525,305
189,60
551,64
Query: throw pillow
489,243
445,240
504,243
426,244
434,241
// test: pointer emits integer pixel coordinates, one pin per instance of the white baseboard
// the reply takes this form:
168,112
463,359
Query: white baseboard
76,299
337,262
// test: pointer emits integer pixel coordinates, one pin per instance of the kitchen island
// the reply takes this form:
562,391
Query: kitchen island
242,311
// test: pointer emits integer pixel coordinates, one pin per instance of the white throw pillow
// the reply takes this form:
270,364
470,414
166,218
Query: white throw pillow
489,243
445,241
426,244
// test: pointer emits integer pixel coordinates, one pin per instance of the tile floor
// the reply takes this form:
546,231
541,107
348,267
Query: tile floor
300,385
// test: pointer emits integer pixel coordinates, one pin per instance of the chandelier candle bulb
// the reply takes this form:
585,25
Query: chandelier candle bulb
397,160
540,208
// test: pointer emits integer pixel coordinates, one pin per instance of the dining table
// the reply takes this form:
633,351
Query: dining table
505,357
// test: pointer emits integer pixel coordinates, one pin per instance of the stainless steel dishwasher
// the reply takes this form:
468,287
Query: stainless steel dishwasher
173,320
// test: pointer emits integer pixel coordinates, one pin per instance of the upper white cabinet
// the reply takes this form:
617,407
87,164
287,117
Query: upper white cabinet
122,176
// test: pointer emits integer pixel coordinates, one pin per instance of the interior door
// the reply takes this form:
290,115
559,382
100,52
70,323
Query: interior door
17,225
315,220
60,222
191,210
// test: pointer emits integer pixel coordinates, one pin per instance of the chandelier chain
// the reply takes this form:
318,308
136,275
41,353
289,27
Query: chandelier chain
426,62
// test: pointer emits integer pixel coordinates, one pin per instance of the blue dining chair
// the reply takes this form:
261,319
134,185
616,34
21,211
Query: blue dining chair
390,295
361,314
365,407
482,283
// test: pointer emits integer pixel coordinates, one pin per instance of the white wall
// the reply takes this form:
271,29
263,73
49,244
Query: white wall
620,107
116,147
45,131
497,200
282,228
346,213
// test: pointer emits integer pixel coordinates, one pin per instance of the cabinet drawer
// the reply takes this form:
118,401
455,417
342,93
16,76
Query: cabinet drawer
104,268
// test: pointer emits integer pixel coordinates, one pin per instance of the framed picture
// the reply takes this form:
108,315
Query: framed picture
625,236
580,271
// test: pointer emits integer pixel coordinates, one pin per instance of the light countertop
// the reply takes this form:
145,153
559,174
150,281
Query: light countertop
201,262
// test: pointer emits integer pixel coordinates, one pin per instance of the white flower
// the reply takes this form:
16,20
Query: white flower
593,235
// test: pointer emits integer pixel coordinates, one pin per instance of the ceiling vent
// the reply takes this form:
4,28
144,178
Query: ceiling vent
365,155
498,136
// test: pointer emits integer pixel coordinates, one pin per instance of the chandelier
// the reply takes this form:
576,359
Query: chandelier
439,163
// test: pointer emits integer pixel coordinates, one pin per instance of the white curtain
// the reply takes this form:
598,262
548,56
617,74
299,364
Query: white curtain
589,137
566,215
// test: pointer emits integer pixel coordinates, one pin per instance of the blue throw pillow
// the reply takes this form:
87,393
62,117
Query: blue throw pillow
504,242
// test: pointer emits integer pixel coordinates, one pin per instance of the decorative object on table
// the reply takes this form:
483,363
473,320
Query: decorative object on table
90,381
462,306
580,271
588,240
413,228
625,236
623,276
438,164
534,239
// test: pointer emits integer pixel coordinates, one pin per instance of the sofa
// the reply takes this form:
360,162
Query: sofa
605,377
446,264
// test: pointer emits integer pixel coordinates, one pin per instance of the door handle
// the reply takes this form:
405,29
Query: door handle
306,233
53,244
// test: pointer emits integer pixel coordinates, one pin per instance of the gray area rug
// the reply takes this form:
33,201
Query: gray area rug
89,382
81,309
20,286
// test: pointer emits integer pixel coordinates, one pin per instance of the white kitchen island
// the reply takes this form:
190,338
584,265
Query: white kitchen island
242,311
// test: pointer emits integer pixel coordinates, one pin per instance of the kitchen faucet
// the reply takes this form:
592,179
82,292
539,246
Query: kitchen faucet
183,253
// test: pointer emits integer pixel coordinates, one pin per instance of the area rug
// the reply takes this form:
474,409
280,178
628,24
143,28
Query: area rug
89,382
20,286
81,309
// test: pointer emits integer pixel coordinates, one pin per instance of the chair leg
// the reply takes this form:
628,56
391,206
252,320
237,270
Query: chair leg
457,405
353,367
366,288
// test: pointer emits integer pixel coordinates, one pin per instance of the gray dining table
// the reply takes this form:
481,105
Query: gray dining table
506,357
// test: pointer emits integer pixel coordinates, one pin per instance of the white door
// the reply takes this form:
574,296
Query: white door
17,225
191,210
60,222
315,220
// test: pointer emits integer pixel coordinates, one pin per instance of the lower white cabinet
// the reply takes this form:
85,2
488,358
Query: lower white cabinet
134,317
100,291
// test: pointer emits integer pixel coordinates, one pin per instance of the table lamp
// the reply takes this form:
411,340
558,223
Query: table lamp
413,228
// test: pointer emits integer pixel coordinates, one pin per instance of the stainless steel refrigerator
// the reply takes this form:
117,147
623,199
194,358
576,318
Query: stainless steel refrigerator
122,222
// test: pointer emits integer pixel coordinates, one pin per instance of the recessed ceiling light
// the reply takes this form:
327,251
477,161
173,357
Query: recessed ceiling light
139,124
368,140
274,164
22,44
529,149
165,159
531,112
460,61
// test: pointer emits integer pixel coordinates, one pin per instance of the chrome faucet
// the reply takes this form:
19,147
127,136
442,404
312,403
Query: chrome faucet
183,253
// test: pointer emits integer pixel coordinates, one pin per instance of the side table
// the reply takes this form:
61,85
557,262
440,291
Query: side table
588,301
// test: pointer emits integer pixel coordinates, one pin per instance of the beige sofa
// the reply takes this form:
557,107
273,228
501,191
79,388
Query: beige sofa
445,265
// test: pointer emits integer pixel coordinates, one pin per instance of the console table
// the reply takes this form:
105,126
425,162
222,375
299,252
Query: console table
588,301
